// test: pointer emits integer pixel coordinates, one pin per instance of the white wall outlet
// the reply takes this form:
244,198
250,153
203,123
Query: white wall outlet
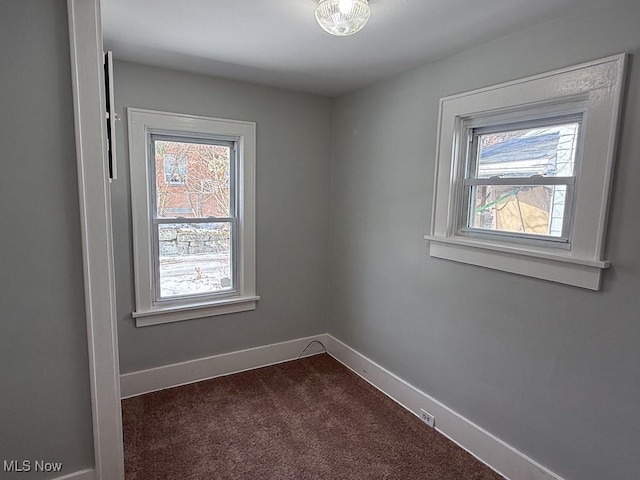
427,418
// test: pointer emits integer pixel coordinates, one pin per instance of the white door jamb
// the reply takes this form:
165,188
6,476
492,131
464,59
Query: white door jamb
85,36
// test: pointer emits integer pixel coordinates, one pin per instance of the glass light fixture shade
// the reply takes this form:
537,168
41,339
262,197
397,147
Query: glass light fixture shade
342,17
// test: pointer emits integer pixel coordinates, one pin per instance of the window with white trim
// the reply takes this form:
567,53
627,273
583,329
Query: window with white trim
193,202
523,173
519,180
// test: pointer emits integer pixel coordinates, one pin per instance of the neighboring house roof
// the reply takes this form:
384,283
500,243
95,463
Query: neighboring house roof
522,148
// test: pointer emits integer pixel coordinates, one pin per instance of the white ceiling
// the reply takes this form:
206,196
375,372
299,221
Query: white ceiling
278,42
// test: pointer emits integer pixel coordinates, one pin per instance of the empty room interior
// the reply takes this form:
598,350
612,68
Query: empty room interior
332,239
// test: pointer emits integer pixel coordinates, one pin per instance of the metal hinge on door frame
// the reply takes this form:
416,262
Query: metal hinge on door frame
111,115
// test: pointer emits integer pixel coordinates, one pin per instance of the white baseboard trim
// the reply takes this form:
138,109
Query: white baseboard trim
88,474
486,447
483,445
146,381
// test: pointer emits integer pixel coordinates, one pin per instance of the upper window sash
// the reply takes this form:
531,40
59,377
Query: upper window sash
188,137
540,119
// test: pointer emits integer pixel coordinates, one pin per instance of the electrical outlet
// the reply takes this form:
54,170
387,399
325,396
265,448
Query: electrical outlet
427,418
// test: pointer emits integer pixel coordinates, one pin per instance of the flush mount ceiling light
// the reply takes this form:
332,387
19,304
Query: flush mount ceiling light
342,17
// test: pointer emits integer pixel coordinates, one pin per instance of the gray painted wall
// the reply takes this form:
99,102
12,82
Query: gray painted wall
293,162
551,369
45,407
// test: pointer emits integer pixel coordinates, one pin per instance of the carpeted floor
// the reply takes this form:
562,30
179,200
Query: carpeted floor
307,419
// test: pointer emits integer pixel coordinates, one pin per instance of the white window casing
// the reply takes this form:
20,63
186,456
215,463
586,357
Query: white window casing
148,311
593,92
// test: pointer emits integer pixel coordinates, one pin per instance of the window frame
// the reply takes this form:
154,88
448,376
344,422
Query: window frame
143,126
592,90
231,218
538,119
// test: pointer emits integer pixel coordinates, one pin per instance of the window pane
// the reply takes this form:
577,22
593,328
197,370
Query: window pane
195,258
549,151
192,179
531,209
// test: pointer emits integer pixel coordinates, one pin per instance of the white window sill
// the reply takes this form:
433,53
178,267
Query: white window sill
177,313
529,261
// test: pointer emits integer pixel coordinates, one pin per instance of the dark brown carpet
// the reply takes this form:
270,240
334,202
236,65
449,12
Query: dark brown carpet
307,419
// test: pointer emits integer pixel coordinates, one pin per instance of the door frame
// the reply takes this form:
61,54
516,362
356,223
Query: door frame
87,69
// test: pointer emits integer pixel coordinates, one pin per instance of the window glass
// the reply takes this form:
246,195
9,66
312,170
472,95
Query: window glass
195,258
193,179
530,209
548,151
